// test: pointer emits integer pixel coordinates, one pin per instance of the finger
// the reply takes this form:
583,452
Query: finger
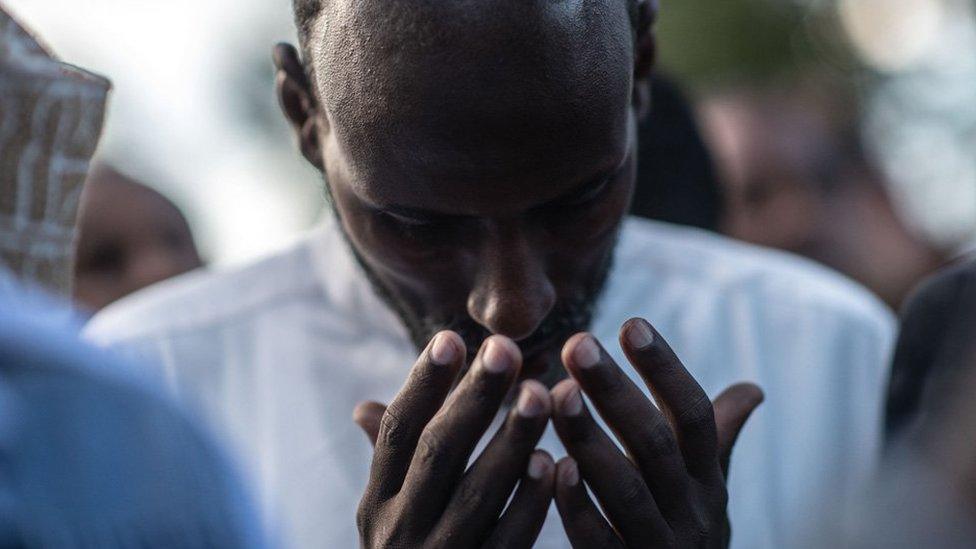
584,525
638,424
520,525
732,409
368,416
405,418
614,479
446,444
684,401
481,495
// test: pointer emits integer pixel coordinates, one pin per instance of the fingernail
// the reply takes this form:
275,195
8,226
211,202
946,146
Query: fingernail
497,358
569,474
538,466
639,334
572,403
530,402
586,354
443,351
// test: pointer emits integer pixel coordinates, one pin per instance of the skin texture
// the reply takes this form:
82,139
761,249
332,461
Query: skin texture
129,237
667,490
480,157
419,494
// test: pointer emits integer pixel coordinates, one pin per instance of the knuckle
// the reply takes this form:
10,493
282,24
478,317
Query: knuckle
469,499
432,450
365,517
699,413
633,493
661,439
393,432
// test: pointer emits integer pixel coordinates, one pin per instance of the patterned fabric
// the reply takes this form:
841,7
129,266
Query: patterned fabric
50,120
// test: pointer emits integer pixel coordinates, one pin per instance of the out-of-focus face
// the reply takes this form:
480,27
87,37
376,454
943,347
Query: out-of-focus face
767,199
481,172
129,237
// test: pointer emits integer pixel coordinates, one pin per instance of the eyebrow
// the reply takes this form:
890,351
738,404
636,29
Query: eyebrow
591,184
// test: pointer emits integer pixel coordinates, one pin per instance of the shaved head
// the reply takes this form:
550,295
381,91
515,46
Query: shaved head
479,153
456,80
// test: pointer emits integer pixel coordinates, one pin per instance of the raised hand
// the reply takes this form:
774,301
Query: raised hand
421,492
669,489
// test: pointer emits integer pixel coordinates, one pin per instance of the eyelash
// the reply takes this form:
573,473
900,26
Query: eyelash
415,230
427,231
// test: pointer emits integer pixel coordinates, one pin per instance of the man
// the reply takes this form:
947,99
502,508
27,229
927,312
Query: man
129,236
924,495
796,177
480,159
676,179
936,346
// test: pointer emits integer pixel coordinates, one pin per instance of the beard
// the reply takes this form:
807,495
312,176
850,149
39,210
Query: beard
567,317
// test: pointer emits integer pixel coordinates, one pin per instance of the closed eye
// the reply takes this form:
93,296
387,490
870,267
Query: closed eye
589,194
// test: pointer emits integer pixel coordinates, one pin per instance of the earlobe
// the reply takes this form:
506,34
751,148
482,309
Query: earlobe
308,139
298,102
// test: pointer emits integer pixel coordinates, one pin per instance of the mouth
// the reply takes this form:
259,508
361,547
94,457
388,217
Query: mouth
533,349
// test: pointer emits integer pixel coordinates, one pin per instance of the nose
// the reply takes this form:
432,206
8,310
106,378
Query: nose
512,293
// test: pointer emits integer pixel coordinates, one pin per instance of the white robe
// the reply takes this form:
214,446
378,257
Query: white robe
278,352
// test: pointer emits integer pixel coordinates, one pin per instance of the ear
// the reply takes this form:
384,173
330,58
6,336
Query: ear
298,102
645,55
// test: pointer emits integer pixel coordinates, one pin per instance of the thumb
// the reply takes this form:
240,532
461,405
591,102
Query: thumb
732,409
368,416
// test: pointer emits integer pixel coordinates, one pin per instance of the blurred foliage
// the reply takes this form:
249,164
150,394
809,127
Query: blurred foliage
713,42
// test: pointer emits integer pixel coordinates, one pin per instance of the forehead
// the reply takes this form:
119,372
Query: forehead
443,108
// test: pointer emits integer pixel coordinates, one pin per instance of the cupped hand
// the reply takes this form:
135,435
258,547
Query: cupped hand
421,491
668,488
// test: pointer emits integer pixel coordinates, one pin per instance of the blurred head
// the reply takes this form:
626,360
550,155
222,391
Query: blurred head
480,155
781,153
796,177
129,237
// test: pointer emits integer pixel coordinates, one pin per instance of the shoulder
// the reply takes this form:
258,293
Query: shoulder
944,292
204,299
718,268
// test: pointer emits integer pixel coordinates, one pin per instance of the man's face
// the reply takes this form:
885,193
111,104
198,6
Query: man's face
481,178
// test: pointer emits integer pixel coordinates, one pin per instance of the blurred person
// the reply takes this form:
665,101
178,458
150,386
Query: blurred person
676,180
93,455
796,177
480,159
129,236
937,341
925,492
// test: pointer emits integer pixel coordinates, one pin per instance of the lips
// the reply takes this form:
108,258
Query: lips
530,349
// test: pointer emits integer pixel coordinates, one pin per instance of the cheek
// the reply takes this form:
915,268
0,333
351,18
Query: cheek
412,270
591,230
